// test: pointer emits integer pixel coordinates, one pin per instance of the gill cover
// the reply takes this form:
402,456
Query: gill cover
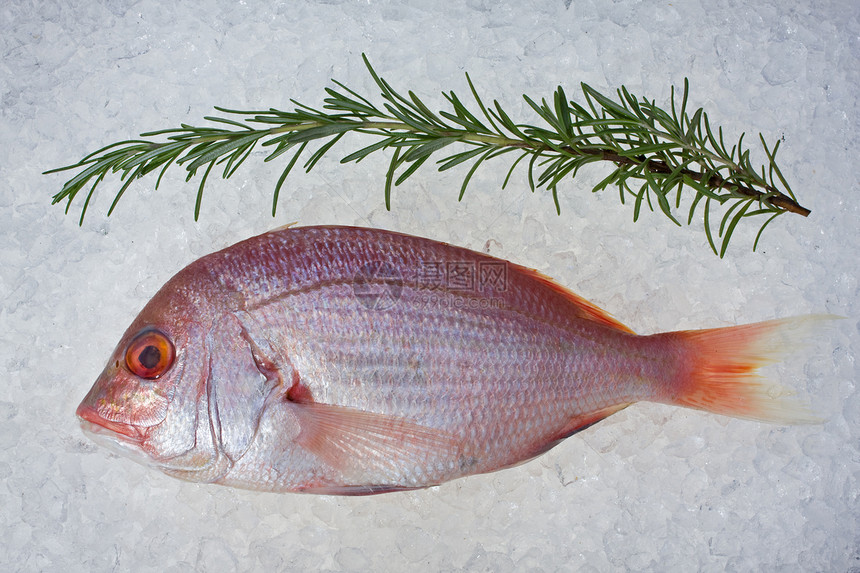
242,377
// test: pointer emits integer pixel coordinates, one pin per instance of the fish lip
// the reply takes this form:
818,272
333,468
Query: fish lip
93,423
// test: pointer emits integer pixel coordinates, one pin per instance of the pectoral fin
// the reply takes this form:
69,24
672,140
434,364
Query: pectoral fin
368,447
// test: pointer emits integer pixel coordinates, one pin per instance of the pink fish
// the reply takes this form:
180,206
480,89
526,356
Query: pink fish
341,360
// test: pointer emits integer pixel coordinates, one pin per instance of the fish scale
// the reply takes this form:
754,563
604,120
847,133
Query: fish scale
343,360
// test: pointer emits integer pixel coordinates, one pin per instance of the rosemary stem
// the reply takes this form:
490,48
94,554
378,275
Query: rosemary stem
655,152
777,199
461,134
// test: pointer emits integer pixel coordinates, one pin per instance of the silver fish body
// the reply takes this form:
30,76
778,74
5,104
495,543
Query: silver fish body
344,360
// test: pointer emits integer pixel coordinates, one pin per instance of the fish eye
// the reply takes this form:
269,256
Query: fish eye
150,354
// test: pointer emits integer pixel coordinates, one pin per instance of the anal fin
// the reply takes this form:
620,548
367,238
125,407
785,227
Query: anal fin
583,421
359,490
575,425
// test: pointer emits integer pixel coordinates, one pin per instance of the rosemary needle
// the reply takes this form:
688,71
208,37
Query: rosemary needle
656,155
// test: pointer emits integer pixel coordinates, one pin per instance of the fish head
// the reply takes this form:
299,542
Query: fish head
149,403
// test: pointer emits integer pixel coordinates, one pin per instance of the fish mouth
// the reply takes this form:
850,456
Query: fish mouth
92,422
122,439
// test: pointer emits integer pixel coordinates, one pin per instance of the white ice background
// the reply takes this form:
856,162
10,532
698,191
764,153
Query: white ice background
652,488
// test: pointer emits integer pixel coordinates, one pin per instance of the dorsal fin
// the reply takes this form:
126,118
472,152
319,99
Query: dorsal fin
283,227
588,310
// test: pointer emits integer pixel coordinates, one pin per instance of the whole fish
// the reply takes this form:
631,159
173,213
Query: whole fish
343,360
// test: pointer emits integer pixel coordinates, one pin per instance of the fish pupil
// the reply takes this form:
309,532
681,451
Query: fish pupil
150,357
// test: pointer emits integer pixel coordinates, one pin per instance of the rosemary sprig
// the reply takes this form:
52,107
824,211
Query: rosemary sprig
654,153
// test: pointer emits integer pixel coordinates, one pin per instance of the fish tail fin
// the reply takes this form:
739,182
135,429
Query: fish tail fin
720,373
